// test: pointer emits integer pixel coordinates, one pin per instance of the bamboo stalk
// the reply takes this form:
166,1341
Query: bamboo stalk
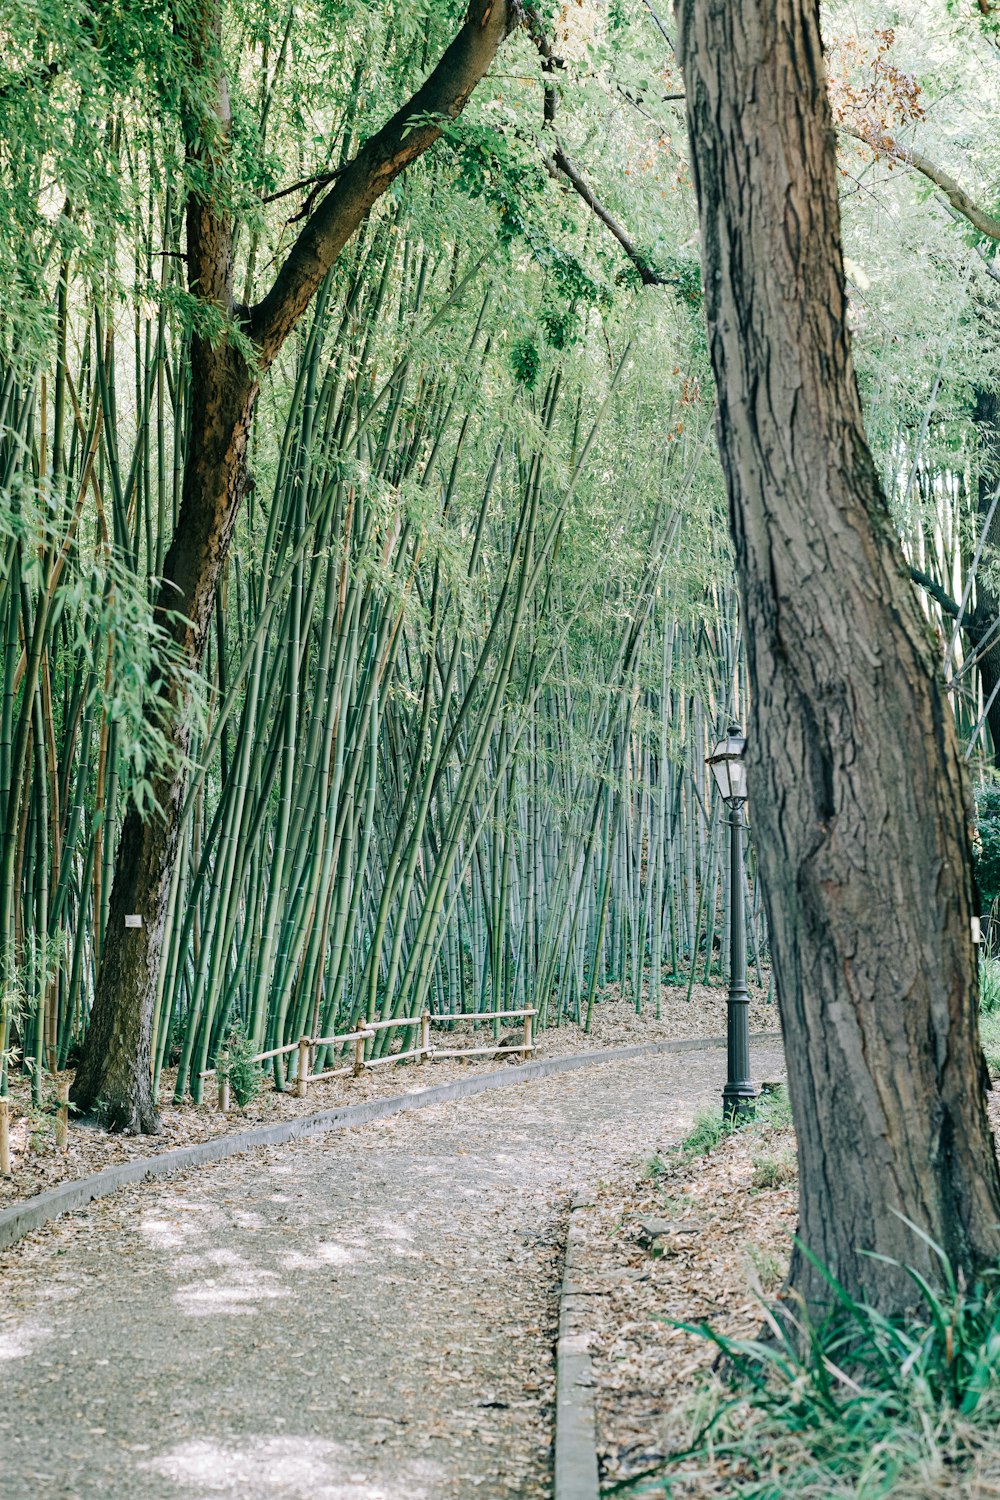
223,1077
5,1138
62,1118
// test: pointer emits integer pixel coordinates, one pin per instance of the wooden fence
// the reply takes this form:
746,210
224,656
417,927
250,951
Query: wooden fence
425,1052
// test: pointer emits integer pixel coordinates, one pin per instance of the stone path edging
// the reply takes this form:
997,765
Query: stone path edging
576,1425
22,1218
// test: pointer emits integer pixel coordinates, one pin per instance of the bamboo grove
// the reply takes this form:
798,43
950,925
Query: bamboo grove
475,635
477,629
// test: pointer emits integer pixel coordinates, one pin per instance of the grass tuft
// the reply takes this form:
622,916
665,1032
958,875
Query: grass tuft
989,1011
772,1112
246,1078
989,985
710,1127
773,1171
859,1405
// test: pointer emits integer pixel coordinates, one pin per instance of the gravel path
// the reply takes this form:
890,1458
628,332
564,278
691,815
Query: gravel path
362,1316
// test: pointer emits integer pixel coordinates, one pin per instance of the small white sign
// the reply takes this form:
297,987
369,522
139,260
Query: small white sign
133,921
977,931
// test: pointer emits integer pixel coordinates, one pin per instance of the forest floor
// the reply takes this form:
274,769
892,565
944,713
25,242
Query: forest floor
37,1165
731,1208
362,1316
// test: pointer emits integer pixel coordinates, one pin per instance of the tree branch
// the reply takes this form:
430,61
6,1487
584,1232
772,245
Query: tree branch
937,593
561,162
404,138
558,163
956,195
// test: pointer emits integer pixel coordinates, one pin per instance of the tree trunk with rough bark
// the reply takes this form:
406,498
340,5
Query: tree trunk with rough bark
114,1076
857,794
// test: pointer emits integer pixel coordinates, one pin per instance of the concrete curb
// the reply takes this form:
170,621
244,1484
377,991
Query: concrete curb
576,1425
22,1218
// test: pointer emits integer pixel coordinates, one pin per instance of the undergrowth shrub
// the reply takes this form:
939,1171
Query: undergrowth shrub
246,1078
858,1405
986,844
771,1113
773,1171
989,985
989,1011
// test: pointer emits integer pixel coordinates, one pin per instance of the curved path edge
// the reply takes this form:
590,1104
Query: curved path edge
22,1218
576,1476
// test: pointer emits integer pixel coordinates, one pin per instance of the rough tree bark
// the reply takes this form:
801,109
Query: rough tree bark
114,1071
856,787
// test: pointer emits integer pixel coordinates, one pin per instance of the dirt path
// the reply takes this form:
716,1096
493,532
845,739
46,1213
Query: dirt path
366,1316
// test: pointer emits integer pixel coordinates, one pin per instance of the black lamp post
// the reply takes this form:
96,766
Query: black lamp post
729,770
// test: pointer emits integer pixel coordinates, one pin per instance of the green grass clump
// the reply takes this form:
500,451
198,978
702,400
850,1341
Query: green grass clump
989,1040
710,1127
989,985
773,1171
246,1078
989,1011
772,1112
860,1405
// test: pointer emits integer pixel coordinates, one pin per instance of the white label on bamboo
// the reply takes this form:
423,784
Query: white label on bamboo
977,930
133,920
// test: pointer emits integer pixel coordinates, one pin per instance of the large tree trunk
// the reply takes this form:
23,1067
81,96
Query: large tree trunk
856,788
114,1075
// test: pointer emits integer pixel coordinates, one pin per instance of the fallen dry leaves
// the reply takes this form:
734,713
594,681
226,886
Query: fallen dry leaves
688,1245
728,1241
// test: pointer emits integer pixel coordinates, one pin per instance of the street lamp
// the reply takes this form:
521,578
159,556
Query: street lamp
730,772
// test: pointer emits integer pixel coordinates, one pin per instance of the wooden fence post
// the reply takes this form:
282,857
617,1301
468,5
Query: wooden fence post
222,1074
425,1036
302,1076
62,1118
526,1054
359,1056
4,1138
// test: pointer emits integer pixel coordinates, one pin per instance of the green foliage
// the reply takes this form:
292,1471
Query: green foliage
710,1127
771,1113
246,1078
986,843
499,170
989,1040
773,1171
685,276
525,362
989,985
858,1405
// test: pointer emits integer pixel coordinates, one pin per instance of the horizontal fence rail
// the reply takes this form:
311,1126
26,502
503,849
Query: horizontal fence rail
425,1052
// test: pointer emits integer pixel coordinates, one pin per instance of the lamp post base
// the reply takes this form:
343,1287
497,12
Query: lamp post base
738,1101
